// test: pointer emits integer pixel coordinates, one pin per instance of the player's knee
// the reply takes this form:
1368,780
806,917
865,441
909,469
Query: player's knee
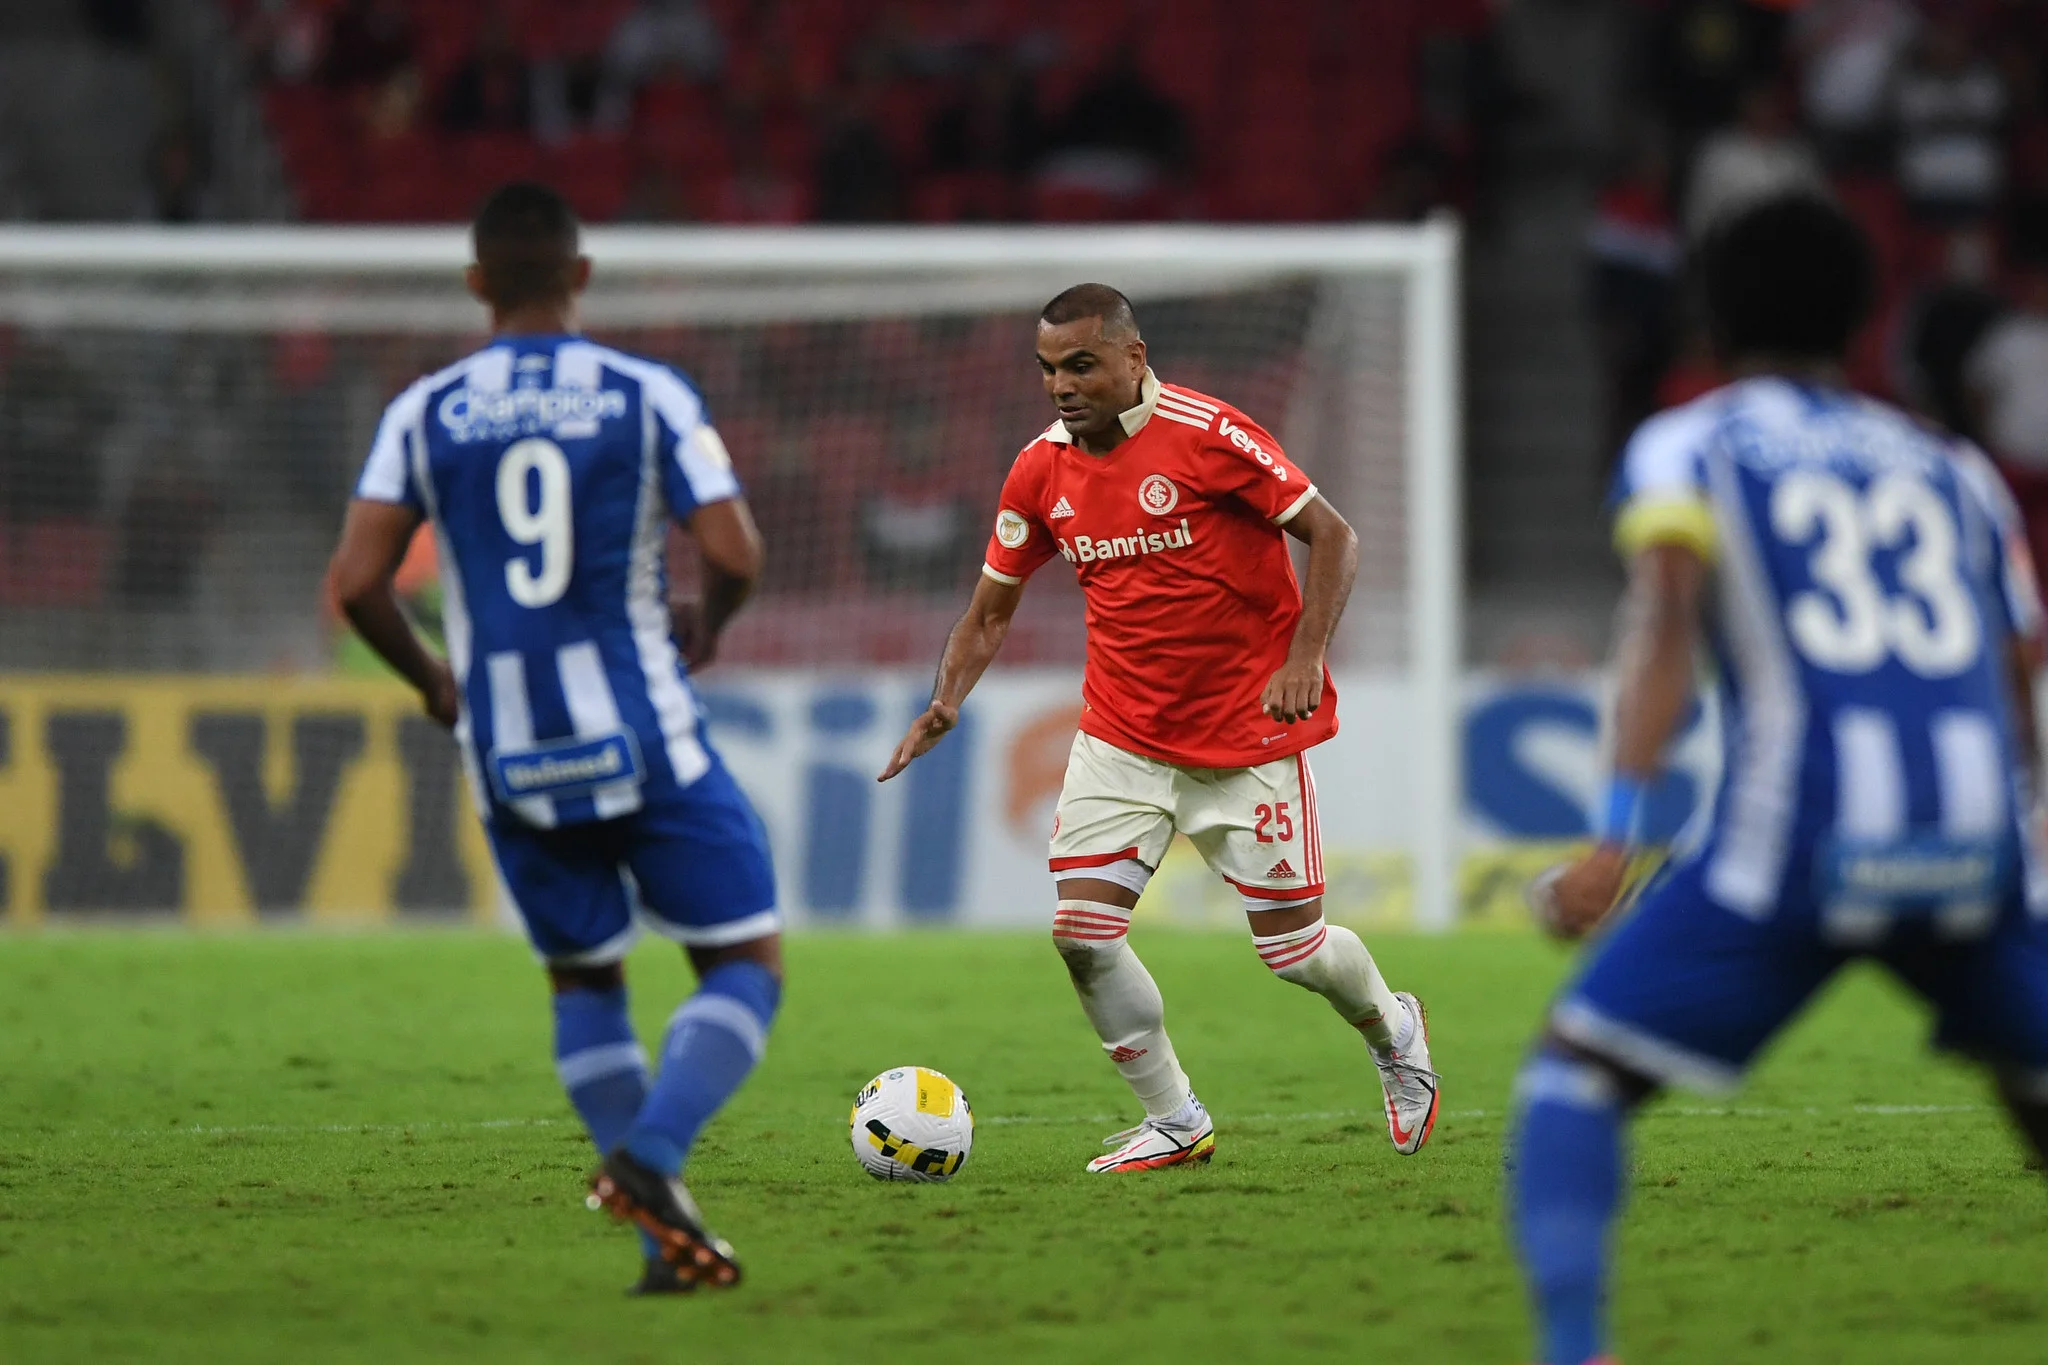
1295,956
1565,1072
1089,935
609,976
765,952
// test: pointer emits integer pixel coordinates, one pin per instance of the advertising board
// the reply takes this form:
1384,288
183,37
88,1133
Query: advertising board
253,799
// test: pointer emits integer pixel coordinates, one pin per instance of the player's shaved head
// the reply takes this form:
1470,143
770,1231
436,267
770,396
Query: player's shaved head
1093,362
1788,278
1100,301
527,247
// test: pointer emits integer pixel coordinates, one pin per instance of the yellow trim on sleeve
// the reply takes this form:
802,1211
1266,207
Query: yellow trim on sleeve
1666,521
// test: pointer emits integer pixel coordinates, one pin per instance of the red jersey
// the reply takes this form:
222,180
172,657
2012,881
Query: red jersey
1176,539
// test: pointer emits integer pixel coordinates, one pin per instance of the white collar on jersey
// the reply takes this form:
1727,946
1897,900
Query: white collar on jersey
1134,419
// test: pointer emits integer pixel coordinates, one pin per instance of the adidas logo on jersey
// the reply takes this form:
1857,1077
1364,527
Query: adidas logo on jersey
1283,868
1062,508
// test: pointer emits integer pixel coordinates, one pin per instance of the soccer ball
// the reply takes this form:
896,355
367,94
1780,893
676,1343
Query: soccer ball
911,1123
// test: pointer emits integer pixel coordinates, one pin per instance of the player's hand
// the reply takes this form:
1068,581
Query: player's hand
440,697
1571,899
927,730
693,635
1294,692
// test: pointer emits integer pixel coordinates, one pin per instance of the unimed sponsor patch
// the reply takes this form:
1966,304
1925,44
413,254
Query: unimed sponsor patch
569,765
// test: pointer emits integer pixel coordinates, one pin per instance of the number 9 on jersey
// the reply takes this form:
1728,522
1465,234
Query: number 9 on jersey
541,520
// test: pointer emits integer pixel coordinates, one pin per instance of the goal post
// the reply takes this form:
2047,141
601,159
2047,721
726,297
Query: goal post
186,408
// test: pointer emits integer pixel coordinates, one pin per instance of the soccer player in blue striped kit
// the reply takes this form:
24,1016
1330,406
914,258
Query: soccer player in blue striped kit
1869,613
549,468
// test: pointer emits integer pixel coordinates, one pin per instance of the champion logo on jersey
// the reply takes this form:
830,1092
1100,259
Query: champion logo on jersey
472,415
1283,868
1062,508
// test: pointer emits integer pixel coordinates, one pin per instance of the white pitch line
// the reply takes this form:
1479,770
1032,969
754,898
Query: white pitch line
997,1120
287,1129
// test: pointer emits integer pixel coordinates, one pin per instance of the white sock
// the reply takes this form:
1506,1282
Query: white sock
1122,1001
1187,1116
1331,961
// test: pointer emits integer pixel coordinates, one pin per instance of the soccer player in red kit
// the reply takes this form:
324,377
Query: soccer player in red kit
1205,687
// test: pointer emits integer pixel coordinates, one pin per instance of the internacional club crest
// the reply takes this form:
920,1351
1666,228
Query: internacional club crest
1011,529
1158,495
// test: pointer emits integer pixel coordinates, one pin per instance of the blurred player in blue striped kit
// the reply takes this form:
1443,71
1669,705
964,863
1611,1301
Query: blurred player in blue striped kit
1869,614
549,467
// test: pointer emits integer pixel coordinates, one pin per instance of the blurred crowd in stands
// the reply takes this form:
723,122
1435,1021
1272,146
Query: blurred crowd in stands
782,111
1929,118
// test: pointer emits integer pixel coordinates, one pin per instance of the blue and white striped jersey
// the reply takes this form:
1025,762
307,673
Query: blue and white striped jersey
548,466
1871,576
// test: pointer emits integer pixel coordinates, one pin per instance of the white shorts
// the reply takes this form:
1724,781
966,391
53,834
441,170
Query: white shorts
1255,827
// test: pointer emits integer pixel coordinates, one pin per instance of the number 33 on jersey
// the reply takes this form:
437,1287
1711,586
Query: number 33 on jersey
1872,576
1883,547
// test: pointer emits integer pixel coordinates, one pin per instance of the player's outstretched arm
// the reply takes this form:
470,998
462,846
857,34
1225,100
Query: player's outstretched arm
2022,663
976,637
1653,681
1296,690
373,541
730,546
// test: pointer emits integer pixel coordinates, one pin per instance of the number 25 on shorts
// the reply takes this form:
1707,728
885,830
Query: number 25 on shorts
1270,816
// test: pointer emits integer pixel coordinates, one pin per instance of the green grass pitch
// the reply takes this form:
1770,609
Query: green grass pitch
315,1148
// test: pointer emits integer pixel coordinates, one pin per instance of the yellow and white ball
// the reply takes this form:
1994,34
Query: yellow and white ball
912,1123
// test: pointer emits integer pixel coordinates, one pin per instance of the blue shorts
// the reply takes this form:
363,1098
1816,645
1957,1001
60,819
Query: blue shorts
1686,992
693,863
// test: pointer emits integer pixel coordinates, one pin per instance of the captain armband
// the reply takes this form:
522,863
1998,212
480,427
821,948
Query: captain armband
1681,520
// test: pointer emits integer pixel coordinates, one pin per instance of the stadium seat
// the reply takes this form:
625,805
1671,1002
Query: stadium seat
306,120
56,563
594,173
1185,56
402,179
548,30
443,35
1324,86
1875,202
478,161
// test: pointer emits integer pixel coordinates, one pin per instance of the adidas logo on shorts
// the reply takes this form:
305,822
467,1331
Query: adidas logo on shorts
1062,508
1283,868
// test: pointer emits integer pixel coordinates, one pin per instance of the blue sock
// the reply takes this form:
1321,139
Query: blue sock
601,1066
1564,1191
713,1041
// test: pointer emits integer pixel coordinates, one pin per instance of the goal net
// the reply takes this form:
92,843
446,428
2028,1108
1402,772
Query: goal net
182,415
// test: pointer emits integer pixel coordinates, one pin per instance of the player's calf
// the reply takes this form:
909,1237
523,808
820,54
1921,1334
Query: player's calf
1331,961
2025,1094
597,1056
1565,1191
1121,1000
